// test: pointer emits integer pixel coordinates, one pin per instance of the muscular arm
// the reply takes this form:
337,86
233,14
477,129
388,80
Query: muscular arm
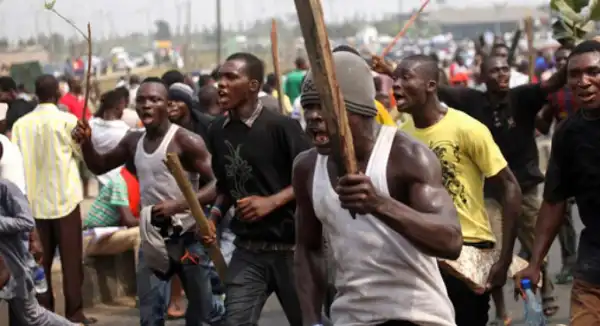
196,158
544,118
511,210
102,163
431,210
550,219
308,257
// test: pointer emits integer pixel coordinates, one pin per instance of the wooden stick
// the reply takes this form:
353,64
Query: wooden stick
404,29
88,82
276,69
310,15
185,186
531,55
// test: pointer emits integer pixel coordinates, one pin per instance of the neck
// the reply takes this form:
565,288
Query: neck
430,114
363,145
111,115
158,131
497,96
245,110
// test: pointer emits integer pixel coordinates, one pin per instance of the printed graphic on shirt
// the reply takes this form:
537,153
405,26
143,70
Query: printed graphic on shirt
238,170
444,149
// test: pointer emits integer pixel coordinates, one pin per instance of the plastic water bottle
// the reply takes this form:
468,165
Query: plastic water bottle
39,277
534,315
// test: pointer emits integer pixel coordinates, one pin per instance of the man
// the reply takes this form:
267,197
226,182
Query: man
560,106
293,80
270,87
385,266
181,102
146,150
16,284
17,107
469,156
573,172
253,151
54,191
509,113
73,99
501,50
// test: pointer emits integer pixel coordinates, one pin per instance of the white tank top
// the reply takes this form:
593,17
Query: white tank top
156,182
380,275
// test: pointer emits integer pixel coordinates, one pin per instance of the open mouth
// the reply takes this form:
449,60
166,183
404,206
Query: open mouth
400,100
503,83
320,138
586,97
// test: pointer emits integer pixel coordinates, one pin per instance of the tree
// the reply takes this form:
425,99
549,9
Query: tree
576,18
163,30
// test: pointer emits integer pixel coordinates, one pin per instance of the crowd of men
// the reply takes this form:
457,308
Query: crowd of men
336,248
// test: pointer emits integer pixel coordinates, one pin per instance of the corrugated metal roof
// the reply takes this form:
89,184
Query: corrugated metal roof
494,14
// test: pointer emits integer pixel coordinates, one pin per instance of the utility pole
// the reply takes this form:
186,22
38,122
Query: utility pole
188,36
219,32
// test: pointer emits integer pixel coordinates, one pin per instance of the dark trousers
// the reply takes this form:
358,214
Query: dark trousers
471,309
64,233
252,276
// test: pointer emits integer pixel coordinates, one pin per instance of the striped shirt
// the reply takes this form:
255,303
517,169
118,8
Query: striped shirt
104,210
50,155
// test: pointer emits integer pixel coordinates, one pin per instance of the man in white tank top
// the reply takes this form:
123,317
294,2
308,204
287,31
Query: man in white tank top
386,271
148,149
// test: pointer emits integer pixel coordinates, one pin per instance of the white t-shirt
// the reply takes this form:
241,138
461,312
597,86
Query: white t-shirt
11,163
106,135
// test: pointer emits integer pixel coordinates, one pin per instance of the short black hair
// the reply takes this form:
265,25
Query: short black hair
154,80
46,88
206,95
204,79
109,100
255,68
585,47
346,48
173,76
7,84
427,65
123,91
134,80
271,79
300,62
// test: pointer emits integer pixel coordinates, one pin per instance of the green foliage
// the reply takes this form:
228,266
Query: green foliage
572,22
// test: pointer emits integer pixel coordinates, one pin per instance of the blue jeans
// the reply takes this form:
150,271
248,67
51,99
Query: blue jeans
153,292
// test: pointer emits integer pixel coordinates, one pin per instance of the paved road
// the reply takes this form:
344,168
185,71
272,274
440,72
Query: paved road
273,315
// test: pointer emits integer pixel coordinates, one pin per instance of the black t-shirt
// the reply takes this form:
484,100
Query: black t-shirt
512,124
17,109
257,160
574,171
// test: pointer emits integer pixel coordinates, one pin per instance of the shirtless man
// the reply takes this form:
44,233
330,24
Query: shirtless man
400,201
147,150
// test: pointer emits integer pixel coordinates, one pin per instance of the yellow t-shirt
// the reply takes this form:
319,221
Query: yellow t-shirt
383,116
287,105
468,155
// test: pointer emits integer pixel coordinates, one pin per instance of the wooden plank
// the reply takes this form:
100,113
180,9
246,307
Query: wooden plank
531,55
276,69
185,186
312,24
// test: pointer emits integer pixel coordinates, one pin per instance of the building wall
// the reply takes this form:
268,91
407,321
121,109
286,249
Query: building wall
472,31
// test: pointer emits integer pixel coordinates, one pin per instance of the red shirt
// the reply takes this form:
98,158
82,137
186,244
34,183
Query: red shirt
74,104
133,191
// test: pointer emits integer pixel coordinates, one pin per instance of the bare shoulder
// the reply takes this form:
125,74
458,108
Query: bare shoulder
189,140
304,162
415,160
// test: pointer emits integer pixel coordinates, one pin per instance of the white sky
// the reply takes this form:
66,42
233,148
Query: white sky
22,18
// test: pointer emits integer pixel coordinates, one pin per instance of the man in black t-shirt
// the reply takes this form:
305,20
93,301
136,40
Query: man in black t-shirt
16,107
253,150
573,171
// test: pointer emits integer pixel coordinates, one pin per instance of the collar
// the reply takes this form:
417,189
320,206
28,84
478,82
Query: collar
46,107
250,120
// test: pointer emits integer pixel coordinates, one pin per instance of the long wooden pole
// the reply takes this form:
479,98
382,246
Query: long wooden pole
276,69
310,15
88,80
404,29
530,48
184,184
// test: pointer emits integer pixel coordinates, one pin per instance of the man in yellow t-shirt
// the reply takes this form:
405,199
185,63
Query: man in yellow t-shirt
468,156
383,116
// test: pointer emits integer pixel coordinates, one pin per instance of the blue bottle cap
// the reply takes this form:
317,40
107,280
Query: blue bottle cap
526,283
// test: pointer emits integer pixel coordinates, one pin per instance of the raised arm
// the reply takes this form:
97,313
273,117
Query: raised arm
430,210
102,163
308,258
